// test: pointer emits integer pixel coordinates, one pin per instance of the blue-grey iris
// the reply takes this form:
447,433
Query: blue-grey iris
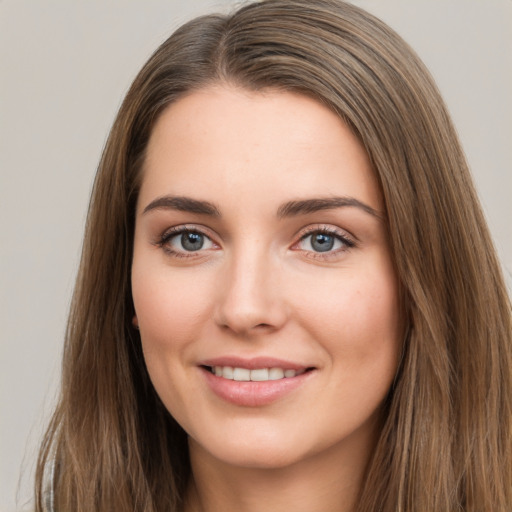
192,241
322,242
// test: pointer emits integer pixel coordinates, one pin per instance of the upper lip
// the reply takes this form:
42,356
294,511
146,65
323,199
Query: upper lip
254,363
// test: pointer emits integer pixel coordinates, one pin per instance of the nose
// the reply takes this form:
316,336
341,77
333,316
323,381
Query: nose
250,297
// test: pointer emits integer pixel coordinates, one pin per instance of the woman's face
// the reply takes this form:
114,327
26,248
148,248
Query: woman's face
262,278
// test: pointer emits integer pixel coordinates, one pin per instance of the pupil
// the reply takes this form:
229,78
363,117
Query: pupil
322,242
192,241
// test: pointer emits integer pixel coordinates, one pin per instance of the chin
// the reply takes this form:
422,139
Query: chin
252,451
265,458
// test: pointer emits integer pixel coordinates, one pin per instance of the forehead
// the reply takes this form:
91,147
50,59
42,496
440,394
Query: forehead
222,141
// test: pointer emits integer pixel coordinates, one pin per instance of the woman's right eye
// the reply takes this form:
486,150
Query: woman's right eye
186,241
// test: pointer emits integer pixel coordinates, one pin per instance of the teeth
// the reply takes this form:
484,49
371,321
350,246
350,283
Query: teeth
259,375
241,374
275,373
227,372
256,375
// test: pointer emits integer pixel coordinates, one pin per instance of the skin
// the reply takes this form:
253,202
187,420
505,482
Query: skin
258,287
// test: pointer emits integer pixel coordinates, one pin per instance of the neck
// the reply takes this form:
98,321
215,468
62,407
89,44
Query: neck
321,483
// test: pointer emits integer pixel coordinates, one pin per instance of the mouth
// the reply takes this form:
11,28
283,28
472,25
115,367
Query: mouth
241,374
255,383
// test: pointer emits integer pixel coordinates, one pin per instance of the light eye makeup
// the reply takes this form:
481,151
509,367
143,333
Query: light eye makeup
185,242
319,242
323,242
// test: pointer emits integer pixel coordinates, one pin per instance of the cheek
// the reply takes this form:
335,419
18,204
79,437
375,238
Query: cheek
171,310
170,305
355,317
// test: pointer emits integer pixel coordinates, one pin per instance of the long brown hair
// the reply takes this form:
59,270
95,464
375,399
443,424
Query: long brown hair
446,442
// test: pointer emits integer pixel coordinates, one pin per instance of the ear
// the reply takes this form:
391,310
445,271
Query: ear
135,322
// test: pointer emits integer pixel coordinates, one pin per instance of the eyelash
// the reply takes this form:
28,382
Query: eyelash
164,241
348,242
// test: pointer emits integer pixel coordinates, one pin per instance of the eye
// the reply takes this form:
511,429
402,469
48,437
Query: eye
182,241
324,241
319,242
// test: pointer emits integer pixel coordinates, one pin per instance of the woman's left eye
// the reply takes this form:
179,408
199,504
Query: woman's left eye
324,242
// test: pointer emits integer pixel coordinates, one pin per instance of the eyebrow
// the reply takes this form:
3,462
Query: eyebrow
289,209
305,206
183,204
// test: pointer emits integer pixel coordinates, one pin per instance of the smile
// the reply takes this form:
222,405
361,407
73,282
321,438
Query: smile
255,375
256,382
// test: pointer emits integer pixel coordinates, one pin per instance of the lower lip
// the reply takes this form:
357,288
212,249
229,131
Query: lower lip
254,394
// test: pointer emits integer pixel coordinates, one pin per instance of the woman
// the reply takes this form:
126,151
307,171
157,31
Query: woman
288,297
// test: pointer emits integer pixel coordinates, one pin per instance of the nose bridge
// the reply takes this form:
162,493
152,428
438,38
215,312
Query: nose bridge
249,296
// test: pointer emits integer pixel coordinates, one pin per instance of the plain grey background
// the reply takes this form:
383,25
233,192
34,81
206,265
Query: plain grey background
64,68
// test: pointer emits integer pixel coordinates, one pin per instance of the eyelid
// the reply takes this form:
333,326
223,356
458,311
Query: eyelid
163,239
349,241
326,228
343,235
184,228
